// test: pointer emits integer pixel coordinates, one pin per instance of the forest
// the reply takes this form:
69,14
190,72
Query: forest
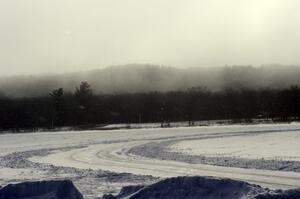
85,108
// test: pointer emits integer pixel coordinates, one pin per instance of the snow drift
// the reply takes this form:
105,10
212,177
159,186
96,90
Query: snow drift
202,188
172,188
41,190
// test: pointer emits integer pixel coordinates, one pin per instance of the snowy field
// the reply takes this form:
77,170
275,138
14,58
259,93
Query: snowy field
271,146
101,162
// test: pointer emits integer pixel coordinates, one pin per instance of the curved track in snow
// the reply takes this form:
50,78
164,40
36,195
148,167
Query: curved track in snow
115,157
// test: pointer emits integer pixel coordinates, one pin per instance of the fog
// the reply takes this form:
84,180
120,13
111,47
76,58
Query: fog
138,78
57,36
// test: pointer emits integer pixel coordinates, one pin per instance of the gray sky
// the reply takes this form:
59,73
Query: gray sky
70,35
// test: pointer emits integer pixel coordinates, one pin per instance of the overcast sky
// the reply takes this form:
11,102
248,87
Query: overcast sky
38,36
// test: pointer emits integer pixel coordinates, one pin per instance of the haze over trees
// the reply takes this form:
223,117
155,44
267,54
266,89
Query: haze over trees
147,93
137,78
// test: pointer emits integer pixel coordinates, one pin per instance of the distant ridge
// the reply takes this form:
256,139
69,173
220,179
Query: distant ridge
134,78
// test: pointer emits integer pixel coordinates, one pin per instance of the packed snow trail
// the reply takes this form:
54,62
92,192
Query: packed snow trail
114,156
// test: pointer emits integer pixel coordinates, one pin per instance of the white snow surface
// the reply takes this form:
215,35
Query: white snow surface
272,146
92,151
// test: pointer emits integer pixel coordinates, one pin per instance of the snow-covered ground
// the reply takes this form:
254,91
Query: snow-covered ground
271,146
103,161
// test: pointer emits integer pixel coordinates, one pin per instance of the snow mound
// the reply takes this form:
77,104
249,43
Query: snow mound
202,188
41,190
191,188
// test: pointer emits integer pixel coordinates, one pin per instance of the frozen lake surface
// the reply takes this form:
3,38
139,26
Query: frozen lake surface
103,161
272,146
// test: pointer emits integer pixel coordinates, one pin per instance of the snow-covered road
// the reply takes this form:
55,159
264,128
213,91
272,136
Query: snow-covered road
170,152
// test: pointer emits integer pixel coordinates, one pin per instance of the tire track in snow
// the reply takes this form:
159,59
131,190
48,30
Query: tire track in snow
115,157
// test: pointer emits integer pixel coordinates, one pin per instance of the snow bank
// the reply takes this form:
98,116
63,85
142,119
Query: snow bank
172,188
41,190
192,188
202,188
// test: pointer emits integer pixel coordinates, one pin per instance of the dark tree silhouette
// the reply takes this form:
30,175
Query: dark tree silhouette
85,100
58,106
83,93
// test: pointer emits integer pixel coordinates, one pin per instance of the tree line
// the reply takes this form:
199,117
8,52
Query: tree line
84,108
